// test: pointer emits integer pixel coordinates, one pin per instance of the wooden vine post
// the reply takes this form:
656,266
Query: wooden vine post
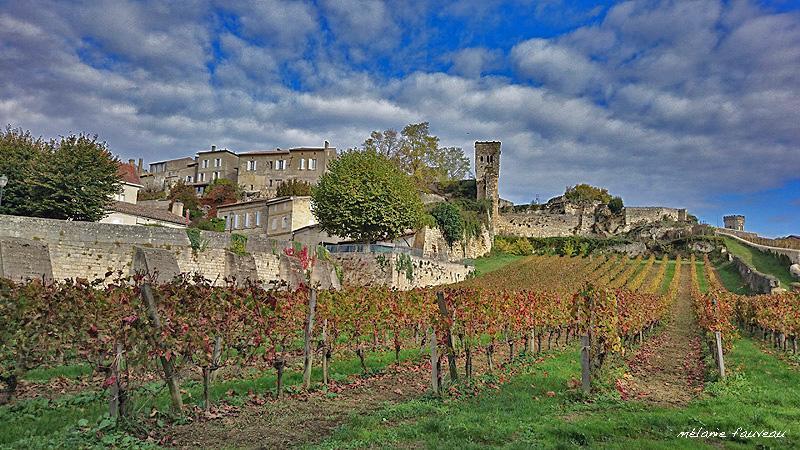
166,363
434,360
308,352
586,341
326,352
117,405
448,336
720,361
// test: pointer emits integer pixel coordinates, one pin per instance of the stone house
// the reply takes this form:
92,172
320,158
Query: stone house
215,164
261,172
275,218
125,209
164,174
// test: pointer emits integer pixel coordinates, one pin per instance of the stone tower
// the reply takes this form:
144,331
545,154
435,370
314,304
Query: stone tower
734,222
487,175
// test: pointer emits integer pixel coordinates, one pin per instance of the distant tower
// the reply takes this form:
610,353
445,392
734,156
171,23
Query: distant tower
734,222
487,174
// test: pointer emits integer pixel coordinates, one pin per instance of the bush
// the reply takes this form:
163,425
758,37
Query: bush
615,205
294,188
238,244
448,219
213,224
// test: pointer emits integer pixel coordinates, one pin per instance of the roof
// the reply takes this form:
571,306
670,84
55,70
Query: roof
188,159
128,173
147,212
266,201
244,203
224,150
280,151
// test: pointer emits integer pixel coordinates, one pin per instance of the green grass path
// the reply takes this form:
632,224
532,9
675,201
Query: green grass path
761,393
761,261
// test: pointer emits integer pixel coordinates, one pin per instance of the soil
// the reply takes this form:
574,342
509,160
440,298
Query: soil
303,419
668,368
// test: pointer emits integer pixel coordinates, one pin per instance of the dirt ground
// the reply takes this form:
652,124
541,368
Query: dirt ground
303,419
668,368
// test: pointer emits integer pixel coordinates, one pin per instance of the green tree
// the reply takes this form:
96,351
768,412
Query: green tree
448,219
365,197
184,193
73,177
417,153
616,205
585,194
294,187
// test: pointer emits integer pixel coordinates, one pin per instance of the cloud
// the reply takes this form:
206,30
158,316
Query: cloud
661,102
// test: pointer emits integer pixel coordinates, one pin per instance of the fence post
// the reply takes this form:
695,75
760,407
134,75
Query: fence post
448,336
116,406
166,364
586,380
308,355
720,361
434,360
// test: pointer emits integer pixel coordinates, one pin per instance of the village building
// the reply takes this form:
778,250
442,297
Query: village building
125,209
275,218
261,172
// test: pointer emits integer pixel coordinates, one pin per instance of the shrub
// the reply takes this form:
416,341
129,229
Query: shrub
448,219
616,205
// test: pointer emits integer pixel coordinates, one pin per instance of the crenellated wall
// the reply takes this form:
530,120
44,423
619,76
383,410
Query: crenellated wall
434,245
650,214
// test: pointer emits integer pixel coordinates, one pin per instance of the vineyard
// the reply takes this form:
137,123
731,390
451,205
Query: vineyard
146,346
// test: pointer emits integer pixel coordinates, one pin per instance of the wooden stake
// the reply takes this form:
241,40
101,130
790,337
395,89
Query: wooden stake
720,361
451,355
434,361
586,380
166,364
308,352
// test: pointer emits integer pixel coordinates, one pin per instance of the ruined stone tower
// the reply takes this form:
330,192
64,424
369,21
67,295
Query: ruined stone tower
487,175
734,222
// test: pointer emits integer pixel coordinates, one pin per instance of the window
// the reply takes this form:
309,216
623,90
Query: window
247,220
302,164
312,164
271,165
188,178
227,222
251,165
202,177
218,162
285,222
215,176
270,183
258,218
235,221
280,164
252,188
274,223
205,164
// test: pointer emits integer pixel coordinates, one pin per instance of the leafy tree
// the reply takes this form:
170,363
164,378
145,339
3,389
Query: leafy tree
616,205
294,187
585,194
151,193
73,177
448,218
365,197
220,192
417,153
182,192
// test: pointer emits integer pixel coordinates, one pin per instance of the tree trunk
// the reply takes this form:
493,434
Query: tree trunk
206,382
279,366
117,404
451,356
360,354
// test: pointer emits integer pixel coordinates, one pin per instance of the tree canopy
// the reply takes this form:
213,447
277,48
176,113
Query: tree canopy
366,198
220,192
73,177
417,153
585,194
294,187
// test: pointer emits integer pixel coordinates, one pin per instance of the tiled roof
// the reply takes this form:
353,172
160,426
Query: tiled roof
129,173
147,212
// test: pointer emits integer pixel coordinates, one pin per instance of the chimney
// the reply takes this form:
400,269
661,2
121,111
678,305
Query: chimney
177,208
141,166
132,162
213,148
327,144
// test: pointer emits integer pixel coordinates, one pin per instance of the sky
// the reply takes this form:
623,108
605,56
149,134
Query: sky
691,104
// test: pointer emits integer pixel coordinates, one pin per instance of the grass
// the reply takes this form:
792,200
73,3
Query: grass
761,261
759,394
42,375
702,281
42,423
668,275
486,264
730,277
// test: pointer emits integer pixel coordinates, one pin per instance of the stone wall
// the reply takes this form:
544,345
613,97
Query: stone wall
646,214
398,271
536,223
758,282
434,245
89,250
792,254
